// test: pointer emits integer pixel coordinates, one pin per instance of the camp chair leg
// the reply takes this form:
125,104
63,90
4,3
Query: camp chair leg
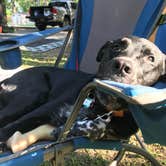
118,158
140,141
61,53
136,150
142,152
59,159
60,151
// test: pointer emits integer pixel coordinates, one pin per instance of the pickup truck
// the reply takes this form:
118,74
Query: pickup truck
59,13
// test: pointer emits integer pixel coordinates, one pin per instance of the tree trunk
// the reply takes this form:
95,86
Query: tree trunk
3,17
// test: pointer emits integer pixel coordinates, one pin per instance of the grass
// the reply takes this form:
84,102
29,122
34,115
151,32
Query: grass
40,59
103,157
86,157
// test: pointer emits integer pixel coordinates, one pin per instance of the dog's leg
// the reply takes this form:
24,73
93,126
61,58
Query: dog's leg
19,141
90,128
48,113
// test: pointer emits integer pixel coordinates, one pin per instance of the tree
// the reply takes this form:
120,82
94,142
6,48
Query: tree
3,18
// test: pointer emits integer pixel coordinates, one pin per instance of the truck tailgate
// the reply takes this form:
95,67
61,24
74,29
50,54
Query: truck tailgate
40,11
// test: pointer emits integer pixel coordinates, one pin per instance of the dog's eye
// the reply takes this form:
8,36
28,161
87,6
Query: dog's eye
115,46
119,45
151,58
147,52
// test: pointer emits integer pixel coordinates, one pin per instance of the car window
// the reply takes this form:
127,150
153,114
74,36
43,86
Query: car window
58,4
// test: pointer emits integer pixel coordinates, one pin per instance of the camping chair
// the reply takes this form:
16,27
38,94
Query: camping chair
88,38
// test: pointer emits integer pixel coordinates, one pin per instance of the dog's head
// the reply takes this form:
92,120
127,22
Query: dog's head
131,60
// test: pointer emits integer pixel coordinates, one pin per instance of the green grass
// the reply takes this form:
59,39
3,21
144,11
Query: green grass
40,59
85,157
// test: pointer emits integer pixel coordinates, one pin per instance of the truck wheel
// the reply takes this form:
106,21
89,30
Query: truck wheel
41,27
66,21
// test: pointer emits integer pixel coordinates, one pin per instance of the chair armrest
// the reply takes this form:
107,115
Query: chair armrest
134,94
16,42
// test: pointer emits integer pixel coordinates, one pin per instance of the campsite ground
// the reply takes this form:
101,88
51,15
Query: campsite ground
103,157
86,157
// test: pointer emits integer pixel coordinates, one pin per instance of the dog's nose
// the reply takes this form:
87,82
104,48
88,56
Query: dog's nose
121,66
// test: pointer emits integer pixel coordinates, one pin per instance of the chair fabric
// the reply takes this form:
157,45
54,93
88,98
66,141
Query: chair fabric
157,118
160,39
148,18
149,115
29,159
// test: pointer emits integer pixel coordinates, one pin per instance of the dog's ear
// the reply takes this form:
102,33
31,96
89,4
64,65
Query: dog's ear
164,65
101,51
163,75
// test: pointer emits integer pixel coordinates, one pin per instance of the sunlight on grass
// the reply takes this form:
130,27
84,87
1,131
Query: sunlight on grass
40,59
103,157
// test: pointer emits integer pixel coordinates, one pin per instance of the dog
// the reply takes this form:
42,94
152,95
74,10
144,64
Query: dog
32,101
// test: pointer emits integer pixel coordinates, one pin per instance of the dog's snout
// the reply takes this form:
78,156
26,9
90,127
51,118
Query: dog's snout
122,66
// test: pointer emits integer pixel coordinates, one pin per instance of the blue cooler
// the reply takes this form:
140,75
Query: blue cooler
10,59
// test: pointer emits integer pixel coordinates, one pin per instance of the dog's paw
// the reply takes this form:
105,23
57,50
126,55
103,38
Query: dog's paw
17,142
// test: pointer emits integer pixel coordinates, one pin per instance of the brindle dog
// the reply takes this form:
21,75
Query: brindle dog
35,97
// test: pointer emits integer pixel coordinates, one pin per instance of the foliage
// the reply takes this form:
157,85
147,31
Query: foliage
76,1
18,5
23,5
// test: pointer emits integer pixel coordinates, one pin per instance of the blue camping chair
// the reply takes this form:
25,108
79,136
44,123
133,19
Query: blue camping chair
84,50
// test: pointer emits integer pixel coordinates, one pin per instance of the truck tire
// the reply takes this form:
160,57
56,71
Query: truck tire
66,21
41,27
